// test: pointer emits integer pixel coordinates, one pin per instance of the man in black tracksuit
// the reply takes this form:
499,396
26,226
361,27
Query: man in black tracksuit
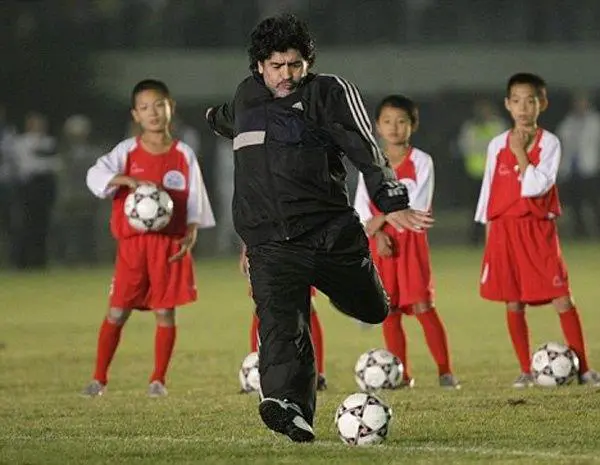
290,129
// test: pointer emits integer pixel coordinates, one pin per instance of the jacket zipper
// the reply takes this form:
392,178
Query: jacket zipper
271,182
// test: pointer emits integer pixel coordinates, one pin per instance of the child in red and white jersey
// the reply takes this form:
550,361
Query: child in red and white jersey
518,203
402,257
153,271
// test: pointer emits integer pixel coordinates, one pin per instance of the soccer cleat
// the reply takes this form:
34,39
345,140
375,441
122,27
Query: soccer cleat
524,380
590,378
157,389
321,383
406,383
94,389
449,381
286,418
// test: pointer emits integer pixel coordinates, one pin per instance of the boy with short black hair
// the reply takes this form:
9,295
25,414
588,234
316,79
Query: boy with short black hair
518,203
153,271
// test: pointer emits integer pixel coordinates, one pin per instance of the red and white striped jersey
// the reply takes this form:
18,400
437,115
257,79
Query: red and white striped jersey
176,171
415,172
505,192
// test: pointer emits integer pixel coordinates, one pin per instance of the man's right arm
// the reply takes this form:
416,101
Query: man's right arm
220,119
351,130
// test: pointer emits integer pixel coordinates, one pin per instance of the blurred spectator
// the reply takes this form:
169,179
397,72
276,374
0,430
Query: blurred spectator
227,239
186,133
35,164
579,133
77,211
132,129
475,135
7,135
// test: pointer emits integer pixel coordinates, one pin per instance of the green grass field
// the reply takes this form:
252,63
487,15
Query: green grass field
49,325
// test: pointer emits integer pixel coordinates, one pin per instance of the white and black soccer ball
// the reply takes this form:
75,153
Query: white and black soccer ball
248,374
554,364
148,208
378,369
362,419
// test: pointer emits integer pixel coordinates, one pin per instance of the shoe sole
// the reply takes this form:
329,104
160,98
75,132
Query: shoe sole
280,420
91,396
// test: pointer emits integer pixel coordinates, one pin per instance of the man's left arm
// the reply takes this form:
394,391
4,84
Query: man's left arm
221,119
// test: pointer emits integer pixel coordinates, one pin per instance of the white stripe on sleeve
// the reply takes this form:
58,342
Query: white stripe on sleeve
420,192
361,118
362,202
107,167
199,210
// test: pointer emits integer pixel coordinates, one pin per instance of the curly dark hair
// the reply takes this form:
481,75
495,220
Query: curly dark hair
278,34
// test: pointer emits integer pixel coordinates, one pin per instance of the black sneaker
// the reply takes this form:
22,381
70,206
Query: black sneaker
286,418
321,383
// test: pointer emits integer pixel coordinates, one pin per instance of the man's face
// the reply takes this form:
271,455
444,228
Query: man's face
283,71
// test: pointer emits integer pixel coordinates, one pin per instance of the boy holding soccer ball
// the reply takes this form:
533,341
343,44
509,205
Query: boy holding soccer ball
518,203
153,270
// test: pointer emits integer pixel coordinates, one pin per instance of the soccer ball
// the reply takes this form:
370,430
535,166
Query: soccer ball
554,364
362,419
148,208
378,369
249,377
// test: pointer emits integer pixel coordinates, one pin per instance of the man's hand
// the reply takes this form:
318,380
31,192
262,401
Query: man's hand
187,243
385,246
374,225
413,220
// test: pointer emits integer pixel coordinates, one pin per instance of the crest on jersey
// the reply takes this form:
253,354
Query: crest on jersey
174,180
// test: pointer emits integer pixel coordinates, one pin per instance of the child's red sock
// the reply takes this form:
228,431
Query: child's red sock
519,335
395,339
254,333
316,332
164,341
436,339
108,340
571,328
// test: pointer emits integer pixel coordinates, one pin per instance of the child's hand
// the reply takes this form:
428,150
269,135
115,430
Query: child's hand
128,181
519,140
374,225
244,269
385,247
187,243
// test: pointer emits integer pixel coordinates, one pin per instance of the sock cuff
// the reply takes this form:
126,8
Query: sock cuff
166,329
432,312
571,311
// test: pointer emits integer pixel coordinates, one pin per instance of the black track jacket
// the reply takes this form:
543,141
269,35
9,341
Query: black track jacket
289,176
